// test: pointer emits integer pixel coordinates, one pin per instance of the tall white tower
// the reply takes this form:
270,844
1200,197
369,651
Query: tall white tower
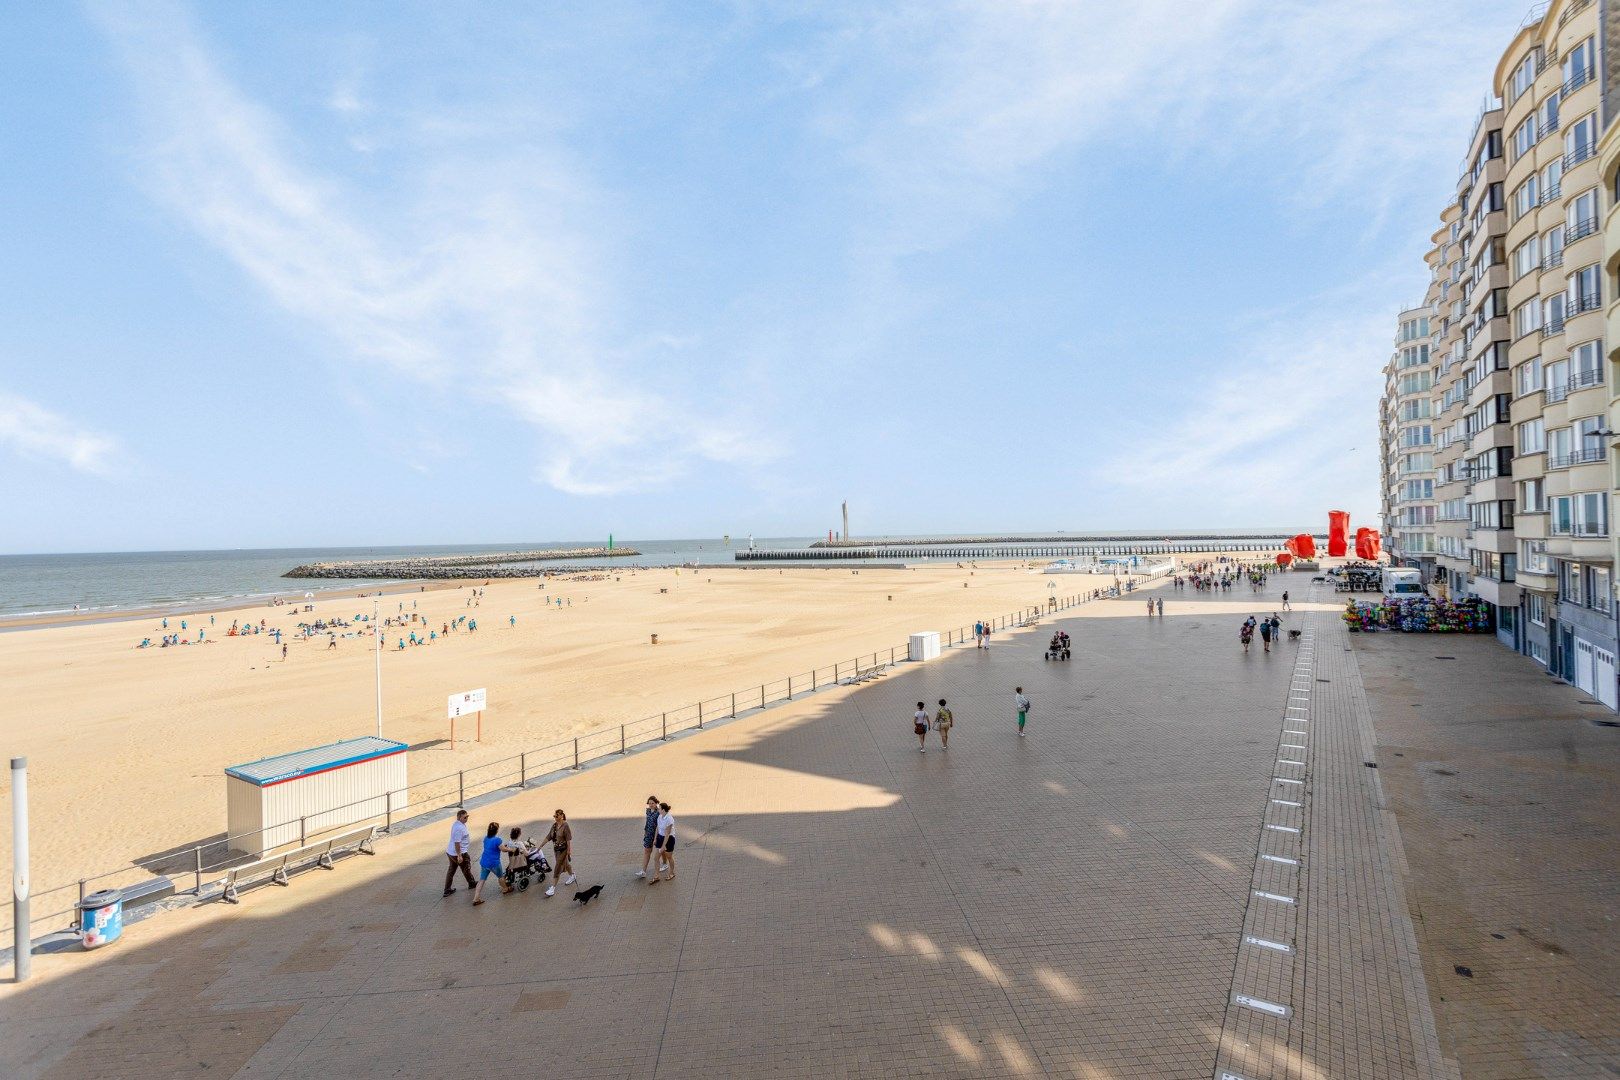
846,519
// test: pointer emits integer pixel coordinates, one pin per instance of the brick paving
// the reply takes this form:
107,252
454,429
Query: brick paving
1074,903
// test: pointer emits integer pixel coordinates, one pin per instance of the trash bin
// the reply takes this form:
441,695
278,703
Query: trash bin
101,918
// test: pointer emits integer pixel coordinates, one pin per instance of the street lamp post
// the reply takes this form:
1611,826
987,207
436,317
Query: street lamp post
376,633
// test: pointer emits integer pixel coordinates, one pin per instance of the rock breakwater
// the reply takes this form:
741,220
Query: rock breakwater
451,567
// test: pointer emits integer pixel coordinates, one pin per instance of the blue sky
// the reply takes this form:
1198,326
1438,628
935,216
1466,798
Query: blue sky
284,274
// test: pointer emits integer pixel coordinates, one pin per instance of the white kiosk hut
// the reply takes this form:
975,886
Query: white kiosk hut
293,797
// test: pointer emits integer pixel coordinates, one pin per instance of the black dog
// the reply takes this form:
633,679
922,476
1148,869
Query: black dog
588,895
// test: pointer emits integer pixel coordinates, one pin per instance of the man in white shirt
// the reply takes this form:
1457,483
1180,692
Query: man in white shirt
459,854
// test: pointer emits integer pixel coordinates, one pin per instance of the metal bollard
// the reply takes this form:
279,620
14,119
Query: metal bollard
301,834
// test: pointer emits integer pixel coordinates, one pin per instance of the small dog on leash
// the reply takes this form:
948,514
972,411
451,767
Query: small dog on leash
587,895
1293,635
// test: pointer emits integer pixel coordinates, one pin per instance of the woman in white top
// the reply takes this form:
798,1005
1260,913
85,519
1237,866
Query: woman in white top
665,842
919,725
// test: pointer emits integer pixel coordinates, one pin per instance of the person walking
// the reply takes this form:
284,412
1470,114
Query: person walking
1150,607
666,843
489,864
978,634
919,725
649,833
561,839
1265,633
1285,601
942,724
458,853
986,644
1246,633
1161,607
1276,628
1021,703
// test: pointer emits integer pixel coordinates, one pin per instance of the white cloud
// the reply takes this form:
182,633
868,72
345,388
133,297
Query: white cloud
34,431
487,286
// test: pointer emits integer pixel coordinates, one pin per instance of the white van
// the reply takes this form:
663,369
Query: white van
1399,582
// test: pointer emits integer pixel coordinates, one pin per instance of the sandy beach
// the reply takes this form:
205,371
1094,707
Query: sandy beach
127,746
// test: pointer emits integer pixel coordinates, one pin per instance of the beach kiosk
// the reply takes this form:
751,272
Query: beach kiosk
924,645
284,800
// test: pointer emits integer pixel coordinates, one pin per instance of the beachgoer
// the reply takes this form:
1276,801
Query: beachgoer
1246,633
561,839
458,852
489,864
284,652
978,632
516,855
1265,634
649,834
1285,600
942,723
1150,607
1161,607
666,842
919,725
1021,703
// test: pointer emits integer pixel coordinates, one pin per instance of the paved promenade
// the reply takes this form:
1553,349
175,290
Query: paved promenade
1185,870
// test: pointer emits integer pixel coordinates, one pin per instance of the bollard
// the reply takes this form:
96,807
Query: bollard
301,833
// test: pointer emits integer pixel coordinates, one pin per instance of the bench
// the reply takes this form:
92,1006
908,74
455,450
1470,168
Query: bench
276,866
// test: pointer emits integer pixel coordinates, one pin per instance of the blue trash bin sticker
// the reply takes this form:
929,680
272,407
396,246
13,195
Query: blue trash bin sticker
101,918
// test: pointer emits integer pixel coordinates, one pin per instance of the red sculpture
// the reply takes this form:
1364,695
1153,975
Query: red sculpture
1302,546
1338,533
1369,544
1283,559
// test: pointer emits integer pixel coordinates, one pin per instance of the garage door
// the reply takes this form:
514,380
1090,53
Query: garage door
1604,676
1585,667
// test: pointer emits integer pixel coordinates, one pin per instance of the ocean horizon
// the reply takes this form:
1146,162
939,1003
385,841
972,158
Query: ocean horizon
44,585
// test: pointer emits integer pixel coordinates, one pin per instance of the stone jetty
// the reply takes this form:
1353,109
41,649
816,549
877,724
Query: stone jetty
449,567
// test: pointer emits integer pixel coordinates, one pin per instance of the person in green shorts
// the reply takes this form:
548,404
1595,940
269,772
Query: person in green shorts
1022,704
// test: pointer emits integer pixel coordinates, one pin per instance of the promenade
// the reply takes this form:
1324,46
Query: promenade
1187,869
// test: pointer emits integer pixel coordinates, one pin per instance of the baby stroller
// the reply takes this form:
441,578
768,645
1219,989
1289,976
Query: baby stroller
525,864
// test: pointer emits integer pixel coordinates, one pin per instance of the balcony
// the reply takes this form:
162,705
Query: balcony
1553,329
1582,152
1553,259
1579,457
1551,194
1586,302
1576,81
1580,230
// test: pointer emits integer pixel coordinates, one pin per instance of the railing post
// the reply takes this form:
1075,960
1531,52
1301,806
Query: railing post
576,755
812,680
303,836
622,748
762,695
891,658
78,911
734,706
523,770
790,688
197,888
700,716
665,735
461,788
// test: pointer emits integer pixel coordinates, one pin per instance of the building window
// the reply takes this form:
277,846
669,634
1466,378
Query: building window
1524,76
1599,595
1527,256
1533,500
1532,436
1586,364
1585,289
1580,515
1535,609
1526,197
1581,218
1580,140
1579,66
1526,318
1524,137
1533,557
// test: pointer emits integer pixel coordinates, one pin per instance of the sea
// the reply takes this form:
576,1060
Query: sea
42,586
38,586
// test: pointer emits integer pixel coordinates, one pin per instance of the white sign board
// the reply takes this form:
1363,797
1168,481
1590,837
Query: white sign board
470,702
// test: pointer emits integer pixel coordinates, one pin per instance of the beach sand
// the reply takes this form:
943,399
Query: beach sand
127,746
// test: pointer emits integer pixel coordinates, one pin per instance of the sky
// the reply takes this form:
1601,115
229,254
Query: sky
286,274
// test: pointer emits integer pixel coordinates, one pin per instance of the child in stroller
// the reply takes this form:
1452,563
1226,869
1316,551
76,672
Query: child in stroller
1058,647
527,861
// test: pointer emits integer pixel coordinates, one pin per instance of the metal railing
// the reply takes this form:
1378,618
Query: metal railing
206,864
1579,229
1579,457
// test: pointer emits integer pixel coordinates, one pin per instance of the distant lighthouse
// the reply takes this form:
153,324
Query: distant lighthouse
846,520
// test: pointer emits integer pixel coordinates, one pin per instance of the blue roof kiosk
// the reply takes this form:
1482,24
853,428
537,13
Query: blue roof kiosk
294,798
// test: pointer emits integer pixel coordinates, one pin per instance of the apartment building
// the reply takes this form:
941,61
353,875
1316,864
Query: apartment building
1524,324
1407,445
